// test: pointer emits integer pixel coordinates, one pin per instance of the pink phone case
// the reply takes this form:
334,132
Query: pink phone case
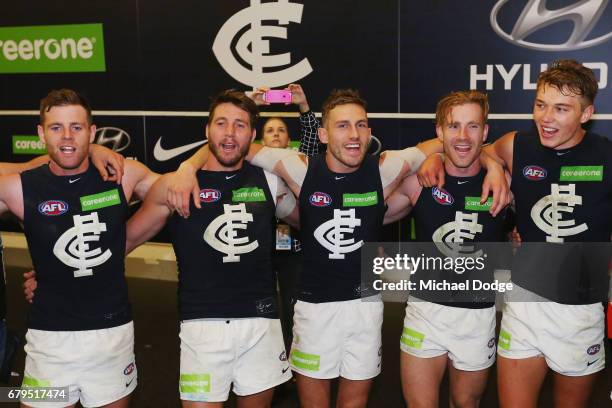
277,96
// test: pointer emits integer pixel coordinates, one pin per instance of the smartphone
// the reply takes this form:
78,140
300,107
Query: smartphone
277,96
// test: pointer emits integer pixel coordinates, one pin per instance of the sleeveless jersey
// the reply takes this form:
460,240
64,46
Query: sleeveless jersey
454,215
339,212
563,196
75,229
224,250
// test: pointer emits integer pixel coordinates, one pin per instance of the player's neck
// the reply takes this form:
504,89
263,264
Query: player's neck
57,170
470,171
215,165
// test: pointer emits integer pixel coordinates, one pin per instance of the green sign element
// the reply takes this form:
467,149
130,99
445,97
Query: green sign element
359,200
504,340
305,361
473,204
52,48
28,145
100,200
33,382
194,383
248,195
581,173
412,338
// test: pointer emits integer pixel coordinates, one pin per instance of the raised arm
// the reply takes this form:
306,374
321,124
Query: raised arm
150,217
402,199
15,168
288,164
183,185
395,165
286,204
137,179
309,124
11,195
501,151
109,164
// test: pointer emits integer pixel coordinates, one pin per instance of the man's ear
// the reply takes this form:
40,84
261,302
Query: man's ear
586,114
41,133
323,135
440,133
253,136
92,133
485,132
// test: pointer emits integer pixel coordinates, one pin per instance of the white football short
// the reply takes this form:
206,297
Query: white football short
216,354
466,335
98,366
334,339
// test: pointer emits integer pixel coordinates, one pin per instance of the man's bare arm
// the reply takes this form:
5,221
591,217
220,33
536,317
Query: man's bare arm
137,179
15,168
150,217
11,195
395,165
501,151
402,199
288,164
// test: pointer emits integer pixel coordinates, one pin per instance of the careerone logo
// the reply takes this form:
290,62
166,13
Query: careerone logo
55,48
28,145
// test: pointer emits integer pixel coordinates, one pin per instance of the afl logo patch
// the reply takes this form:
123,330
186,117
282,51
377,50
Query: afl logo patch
209,195
491,342
534,173
442,196
129,369
53,207
594,349
320,199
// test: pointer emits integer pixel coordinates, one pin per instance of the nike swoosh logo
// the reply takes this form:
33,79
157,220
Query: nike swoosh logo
127,384
285,370
339,178
73,180
229,177
463,182
562,153
162,154
491,355
592,362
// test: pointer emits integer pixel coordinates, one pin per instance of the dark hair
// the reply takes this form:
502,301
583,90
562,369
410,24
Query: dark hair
570,75
457,98
341,97
238,99
64,97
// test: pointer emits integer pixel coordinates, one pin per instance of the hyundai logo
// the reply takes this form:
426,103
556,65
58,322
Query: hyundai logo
535,16
113,138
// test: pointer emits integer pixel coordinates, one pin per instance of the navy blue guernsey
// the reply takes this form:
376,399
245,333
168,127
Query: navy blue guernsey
339,212
224,250
454,215
563,196
75,228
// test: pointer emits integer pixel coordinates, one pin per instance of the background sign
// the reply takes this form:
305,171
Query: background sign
153,65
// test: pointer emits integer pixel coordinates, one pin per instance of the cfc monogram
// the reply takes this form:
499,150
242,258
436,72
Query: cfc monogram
222,232
72,248
254,50
465,226
331,233
547,213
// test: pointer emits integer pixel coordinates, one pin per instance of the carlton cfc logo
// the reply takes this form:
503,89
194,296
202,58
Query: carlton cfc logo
320,199
209,195
534,173
442,196
53,207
